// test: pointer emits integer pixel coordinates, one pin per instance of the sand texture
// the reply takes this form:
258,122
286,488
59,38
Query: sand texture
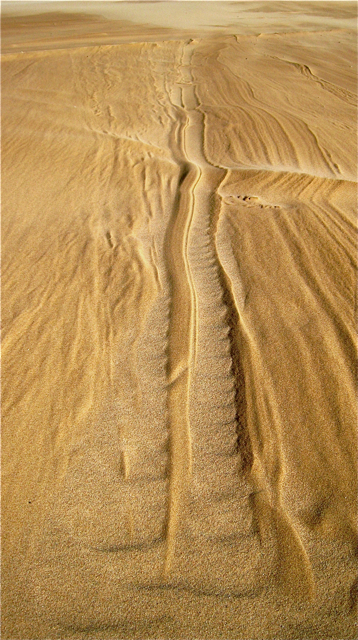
179,336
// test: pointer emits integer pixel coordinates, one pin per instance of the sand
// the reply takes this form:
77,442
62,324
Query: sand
178,302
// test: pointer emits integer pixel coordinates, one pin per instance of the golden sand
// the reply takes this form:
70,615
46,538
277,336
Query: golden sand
178,303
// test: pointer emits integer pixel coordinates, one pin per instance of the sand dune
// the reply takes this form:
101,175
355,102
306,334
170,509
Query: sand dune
178,301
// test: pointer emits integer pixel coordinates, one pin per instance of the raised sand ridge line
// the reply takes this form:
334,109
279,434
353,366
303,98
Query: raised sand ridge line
180,349
183,326
207,413
192,229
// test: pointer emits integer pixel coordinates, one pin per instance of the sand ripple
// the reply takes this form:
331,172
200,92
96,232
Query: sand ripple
179,268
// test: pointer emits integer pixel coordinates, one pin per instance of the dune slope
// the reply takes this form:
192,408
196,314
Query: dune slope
178,302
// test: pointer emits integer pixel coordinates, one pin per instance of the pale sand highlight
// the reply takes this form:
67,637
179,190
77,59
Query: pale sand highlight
178,286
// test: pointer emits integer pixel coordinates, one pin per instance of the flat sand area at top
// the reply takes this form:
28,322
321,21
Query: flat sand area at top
179,334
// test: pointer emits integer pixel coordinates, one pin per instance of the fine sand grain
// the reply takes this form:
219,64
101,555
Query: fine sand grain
178,302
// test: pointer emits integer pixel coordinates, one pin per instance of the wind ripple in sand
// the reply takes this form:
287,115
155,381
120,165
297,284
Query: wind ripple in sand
191,458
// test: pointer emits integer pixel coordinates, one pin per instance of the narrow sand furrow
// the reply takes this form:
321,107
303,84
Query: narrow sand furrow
199,405
180,349
183,329
219,349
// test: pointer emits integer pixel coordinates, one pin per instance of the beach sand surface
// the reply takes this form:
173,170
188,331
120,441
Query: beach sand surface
178,303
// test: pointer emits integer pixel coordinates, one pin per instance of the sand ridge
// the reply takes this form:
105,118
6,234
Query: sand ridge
179,269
